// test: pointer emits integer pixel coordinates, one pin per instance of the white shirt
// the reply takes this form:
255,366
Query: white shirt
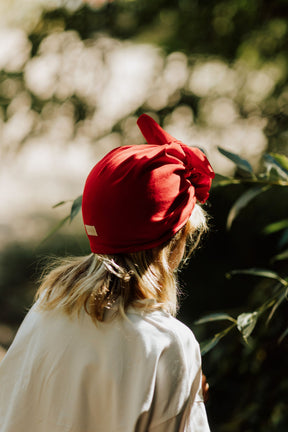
64,374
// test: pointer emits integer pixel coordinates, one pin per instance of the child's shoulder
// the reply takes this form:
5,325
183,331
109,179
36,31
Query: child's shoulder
162,325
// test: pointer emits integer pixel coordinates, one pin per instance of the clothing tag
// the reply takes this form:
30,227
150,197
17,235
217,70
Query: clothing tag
90,229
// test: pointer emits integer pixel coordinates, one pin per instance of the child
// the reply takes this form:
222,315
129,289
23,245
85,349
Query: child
100,350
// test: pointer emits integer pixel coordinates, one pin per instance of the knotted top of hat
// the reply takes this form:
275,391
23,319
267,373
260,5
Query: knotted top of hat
138,196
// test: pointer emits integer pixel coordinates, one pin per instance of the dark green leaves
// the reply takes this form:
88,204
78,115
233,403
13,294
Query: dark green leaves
281,256
258,272
275,168
241,163
283,335
220,180
281,160
215,317
56,228
246,323
208,345
275,173
59,204
76,206
262,273
276,226
243,201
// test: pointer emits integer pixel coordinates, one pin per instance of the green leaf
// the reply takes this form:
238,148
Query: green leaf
220,180
276,226
241,163
207,346
55,229
276,306
274,176
283,335
76,206
59,204
282,160
246,323
275,170
283,241
215,317
280,257
243,201
258,272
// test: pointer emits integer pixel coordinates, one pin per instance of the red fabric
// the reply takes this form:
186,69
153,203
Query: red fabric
139,196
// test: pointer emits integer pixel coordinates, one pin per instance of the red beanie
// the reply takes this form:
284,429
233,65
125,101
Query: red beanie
139,196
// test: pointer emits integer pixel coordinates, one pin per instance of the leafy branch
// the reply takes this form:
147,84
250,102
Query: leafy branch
74,210
246,321
275,173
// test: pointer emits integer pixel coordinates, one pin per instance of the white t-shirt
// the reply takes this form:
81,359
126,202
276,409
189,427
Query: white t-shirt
64,374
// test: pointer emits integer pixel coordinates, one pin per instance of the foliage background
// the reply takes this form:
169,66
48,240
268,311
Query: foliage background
74,77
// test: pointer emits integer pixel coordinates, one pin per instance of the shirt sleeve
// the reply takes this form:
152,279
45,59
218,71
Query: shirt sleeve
197,419
193,420
179,383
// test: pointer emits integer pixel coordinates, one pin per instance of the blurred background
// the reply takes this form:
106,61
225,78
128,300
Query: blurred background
74,77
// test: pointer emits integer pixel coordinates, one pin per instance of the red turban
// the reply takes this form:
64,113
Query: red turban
139,196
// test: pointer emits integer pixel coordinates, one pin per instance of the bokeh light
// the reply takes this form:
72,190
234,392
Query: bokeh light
68,101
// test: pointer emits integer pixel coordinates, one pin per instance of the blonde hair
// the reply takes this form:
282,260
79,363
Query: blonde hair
144,280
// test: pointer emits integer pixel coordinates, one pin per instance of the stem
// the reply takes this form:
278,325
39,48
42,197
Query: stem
256,180
223,333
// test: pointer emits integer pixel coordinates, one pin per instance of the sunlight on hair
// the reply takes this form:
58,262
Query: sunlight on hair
198,218
144,280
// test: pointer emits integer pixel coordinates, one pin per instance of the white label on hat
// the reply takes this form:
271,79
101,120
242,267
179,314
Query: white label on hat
91,230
